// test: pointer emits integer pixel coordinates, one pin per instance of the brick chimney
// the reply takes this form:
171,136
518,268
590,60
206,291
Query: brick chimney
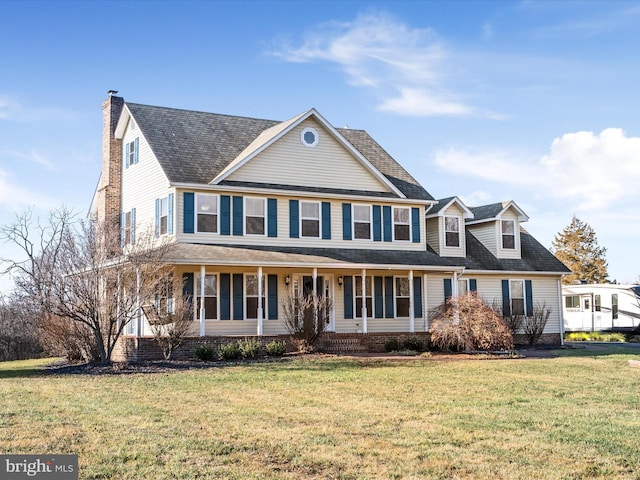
109,190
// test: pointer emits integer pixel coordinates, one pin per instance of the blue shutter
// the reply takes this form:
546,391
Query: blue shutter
157,217
123,219
528,297
473,285
388,297
417,297
378,297
225,296
326,221
189,212
238,217
133,226
386,220
377,223
272,217
272,297
348,297
238,296
294,219
187,288
126,155
506,299
170,215
135,150
225,215
346,221
448,289
415,224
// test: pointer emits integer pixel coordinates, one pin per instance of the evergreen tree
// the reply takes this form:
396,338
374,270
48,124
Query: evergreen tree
577,247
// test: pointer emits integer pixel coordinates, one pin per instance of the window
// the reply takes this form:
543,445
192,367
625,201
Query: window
451,231
401,225
207,213
598,303
210,296
367,298
164,215
310,219
254,217
508,234
516,288
309,137
251,296
164,298
572,301
362,222
402,296
614,306
463,287
131,152
129,227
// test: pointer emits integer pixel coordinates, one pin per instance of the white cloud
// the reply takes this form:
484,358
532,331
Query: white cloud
590,171
33,156
11,109
403,65
14,197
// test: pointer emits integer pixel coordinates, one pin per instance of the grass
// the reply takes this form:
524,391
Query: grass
572,417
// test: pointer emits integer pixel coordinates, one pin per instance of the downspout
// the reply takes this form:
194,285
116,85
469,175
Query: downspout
560,313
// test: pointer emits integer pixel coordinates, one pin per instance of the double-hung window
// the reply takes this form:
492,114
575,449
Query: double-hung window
363,298
362,222
163,215
508,231
401,223
131,152
402,297
254,222
310,219
207,212
129,227
516,289
252,298
452,231
210,297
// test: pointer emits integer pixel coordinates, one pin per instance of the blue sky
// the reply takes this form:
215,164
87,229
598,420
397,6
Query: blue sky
530,101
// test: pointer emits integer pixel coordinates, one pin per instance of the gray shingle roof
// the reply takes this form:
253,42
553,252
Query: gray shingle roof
194,147
485,212
440,205
535,258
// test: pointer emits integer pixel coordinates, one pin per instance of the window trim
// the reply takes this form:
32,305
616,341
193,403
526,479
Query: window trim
396,296
196,295
165,201
315,137
301,218
524,296
353,221
445,231
393,224
216,213
502,235
246,216
245,297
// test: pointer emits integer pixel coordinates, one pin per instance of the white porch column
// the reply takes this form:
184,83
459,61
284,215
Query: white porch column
412,316
454,286
201,313
364,301
425,303
260,309
138,303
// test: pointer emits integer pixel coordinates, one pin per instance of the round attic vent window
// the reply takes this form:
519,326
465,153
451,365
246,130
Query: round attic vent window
309,137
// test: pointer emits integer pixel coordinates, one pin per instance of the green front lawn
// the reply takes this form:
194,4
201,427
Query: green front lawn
576,416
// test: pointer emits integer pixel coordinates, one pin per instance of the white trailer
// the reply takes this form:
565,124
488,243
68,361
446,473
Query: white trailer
597,307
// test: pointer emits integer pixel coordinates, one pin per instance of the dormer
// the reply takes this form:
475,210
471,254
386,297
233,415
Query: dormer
445,227
497,226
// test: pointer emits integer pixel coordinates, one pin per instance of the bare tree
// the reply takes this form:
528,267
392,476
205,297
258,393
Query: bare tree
533,325
77,272
305,317
170,322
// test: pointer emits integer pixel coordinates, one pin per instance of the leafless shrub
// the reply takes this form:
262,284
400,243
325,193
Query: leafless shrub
533,325
19,336
467,323
305,318
170,325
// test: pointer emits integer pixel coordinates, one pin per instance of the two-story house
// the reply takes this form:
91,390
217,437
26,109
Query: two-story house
260,208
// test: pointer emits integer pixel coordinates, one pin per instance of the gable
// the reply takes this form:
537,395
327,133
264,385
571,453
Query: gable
328,164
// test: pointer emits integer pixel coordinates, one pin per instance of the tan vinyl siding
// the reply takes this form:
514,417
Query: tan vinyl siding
433,233
328,164
142,183
486,234
283,238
